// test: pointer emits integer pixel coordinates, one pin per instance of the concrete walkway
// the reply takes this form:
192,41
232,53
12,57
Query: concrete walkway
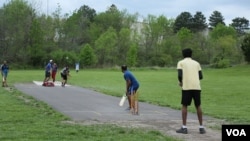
88,106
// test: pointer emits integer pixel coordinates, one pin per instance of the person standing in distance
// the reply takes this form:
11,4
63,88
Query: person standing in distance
48,72
4,71
64,75
77,67
132,86
189,76
54,72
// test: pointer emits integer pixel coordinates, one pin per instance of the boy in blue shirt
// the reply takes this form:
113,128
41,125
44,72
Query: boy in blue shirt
132,86
4,71
48,72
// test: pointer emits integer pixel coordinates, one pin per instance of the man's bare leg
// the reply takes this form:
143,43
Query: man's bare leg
129,101
184,115
136,102
132,103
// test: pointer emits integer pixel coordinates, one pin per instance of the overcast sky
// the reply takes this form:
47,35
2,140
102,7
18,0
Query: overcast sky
229,9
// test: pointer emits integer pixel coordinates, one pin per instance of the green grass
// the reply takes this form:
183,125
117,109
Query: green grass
225,95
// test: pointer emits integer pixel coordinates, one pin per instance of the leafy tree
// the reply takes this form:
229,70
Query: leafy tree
221,30
127,35
112,17
151,36
216,18
3,42
48,30
240,25
69,58
58,57
123,44
185,19
158,27
57,27
155,30
87,56
172,50
76,29
18,17
185,37
245,46
201,47
51,34
225,52
105,47
224,45
132,56
36,51
94,32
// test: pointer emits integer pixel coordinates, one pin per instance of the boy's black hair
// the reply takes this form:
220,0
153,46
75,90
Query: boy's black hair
124,67
187,52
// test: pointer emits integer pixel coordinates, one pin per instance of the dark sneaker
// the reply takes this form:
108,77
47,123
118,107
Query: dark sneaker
127,109
202,130
182,130
136,113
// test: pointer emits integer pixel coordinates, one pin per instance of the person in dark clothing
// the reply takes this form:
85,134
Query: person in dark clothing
64,75
54,72
4,72
48,72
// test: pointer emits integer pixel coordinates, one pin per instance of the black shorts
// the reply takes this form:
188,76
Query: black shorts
64,76
188,95
47,74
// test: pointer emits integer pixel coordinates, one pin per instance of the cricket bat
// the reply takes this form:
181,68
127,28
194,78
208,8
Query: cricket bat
122,101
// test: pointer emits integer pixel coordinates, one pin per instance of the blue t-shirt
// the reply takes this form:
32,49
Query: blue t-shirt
129,76
5,68
48,67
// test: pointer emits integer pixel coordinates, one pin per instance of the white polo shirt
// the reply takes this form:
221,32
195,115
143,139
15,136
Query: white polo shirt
190,74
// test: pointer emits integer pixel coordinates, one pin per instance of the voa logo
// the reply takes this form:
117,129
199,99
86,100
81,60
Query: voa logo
236,132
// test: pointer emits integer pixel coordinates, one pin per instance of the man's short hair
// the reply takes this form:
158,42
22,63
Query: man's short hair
124,67
187,52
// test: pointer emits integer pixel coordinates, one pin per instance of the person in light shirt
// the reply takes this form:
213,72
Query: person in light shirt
189,76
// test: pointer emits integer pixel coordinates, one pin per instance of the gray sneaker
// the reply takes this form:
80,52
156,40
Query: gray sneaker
202,130
182,130
127,109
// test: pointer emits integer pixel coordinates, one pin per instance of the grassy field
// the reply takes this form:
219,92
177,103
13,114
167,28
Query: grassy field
225,95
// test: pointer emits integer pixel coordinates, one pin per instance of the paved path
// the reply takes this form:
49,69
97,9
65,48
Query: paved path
88,106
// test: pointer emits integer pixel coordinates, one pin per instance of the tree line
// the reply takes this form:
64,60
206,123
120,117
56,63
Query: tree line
114,37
